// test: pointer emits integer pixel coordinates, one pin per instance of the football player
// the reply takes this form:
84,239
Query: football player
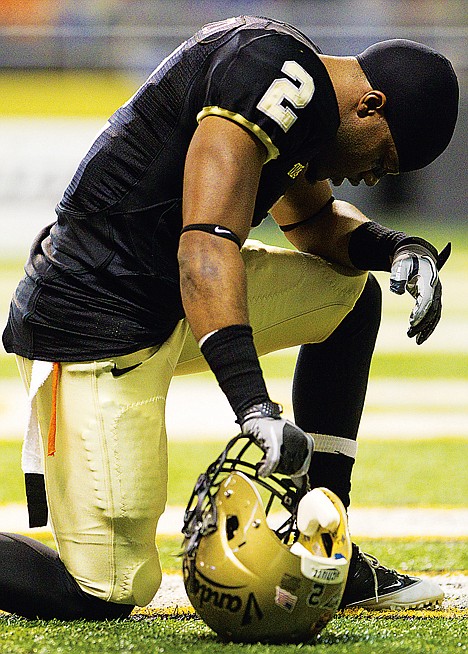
147,273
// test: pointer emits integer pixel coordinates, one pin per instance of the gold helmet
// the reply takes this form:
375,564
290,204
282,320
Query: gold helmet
264,560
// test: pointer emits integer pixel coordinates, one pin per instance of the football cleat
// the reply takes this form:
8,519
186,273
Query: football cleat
374,587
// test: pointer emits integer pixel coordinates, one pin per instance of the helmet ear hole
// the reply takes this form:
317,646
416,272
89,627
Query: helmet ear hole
232,525
327,541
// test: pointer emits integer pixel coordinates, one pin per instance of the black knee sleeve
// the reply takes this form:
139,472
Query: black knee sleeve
34,583
330,384
330,379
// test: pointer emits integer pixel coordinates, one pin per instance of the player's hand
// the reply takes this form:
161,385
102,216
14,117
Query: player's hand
415,269
287,448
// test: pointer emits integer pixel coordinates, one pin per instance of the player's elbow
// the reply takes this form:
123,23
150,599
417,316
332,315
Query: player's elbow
199,262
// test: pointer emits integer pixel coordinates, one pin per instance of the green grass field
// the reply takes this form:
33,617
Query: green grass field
409,472
160,630
348,634
176,634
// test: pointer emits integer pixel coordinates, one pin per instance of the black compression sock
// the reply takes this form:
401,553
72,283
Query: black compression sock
333,471
34,583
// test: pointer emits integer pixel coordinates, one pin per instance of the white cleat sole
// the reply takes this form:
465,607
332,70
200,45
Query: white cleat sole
422,594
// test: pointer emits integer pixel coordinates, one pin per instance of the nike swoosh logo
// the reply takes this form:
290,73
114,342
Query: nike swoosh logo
220,230
117,372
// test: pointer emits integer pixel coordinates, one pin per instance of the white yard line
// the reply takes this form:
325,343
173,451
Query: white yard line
198,410
375,522
171,593
364,522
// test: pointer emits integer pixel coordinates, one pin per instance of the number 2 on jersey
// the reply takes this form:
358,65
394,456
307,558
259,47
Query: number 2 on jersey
283,89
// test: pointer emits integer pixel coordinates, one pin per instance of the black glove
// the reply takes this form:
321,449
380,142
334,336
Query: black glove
288,449
415,269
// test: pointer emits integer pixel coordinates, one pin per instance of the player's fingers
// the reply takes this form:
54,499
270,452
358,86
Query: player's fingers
421,308
427,325
428,329
402,270
422,288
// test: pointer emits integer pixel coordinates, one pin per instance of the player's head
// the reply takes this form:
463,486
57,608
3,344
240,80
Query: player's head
421,92
398,105
249,579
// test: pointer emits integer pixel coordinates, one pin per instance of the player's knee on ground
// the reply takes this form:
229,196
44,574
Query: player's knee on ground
126,573
34,583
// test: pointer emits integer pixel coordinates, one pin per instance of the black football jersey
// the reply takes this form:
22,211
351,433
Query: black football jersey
103,279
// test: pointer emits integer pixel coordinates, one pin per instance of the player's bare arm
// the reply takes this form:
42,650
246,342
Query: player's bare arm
222,172
331,231
327,233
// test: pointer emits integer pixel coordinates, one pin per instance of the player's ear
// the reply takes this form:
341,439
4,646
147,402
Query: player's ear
371,102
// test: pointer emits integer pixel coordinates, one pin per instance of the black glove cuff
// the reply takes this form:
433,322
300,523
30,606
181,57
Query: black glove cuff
231,355
372,246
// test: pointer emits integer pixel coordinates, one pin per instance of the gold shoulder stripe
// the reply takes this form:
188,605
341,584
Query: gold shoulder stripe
296,170
273,152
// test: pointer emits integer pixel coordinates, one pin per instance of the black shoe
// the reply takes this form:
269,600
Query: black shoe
374,587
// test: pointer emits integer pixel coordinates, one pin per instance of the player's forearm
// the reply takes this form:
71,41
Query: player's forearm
214,293
328,235
213,283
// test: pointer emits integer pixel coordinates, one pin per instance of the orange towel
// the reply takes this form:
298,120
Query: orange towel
53,413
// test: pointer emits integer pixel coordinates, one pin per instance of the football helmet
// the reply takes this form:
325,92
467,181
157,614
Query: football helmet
265,560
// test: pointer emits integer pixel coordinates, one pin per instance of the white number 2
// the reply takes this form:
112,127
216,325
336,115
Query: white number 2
283,89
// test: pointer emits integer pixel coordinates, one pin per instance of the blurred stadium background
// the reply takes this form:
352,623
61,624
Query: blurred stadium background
65,66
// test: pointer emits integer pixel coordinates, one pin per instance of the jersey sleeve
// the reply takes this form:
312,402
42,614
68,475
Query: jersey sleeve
266,84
